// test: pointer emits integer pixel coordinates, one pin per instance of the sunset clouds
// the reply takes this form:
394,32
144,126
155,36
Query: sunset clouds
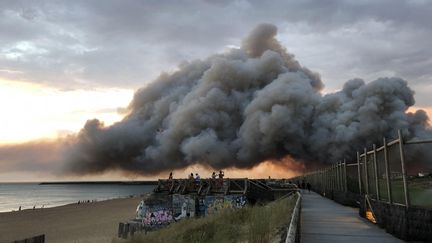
31,111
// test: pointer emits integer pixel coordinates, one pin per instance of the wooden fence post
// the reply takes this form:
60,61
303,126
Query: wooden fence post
387,172
404,176
125,231
359,173
365,164
133,229
376,172
120,230
338,177
333,176
345,176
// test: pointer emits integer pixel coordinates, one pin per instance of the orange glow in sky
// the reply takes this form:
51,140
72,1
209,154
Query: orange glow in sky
427,109
284,168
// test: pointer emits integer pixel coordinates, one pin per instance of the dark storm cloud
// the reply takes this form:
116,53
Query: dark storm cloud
127,43
242,107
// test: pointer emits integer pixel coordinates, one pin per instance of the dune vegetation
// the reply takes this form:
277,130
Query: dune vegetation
254,224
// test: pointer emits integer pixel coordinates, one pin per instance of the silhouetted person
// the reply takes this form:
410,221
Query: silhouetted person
309,186
221,174
191,179
170,180
213,175
303,185
197,179
19,209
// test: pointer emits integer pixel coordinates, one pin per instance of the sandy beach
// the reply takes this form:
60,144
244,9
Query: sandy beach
88,222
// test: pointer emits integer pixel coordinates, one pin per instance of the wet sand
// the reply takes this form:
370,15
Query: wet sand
86,222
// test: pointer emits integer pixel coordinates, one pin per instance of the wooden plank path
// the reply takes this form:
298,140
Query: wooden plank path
323,220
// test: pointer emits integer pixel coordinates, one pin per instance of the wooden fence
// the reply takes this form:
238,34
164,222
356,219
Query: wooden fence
35,239
379,174
129,229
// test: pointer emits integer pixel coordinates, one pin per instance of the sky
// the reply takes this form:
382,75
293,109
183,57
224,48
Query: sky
64,62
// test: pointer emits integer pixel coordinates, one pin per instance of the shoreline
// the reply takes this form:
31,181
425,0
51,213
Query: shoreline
29,195
150,183
47,206
85,222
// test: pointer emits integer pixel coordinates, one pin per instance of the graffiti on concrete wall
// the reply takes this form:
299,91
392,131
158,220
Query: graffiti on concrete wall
157,217
157,212
141,210
215,204
201,206
237,202
183,206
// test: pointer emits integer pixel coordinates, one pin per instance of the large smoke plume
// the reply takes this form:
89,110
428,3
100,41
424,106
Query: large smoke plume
242,107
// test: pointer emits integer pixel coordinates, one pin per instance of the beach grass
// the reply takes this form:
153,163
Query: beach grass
254,224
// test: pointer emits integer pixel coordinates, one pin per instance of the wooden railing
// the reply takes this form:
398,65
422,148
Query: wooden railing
293,234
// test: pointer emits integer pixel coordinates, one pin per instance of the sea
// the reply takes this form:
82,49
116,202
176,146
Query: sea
29,195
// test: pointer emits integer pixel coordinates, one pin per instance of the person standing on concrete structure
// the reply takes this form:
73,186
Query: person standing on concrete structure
197,179
221,176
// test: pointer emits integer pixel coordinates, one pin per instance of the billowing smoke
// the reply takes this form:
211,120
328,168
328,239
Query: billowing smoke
242,107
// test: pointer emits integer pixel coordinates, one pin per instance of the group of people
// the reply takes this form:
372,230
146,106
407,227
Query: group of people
301,185
86,201
197,177
34,207
304,185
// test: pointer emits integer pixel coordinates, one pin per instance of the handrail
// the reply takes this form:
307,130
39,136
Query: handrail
292,234
418,141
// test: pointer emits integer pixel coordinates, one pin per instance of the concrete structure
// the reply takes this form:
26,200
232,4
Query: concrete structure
175,199
323,220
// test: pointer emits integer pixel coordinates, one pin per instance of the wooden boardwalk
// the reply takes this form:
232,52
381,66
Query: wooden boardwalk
323,220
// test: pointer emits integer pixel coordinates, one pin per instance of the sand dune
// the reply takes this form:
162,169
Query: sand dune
89,222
